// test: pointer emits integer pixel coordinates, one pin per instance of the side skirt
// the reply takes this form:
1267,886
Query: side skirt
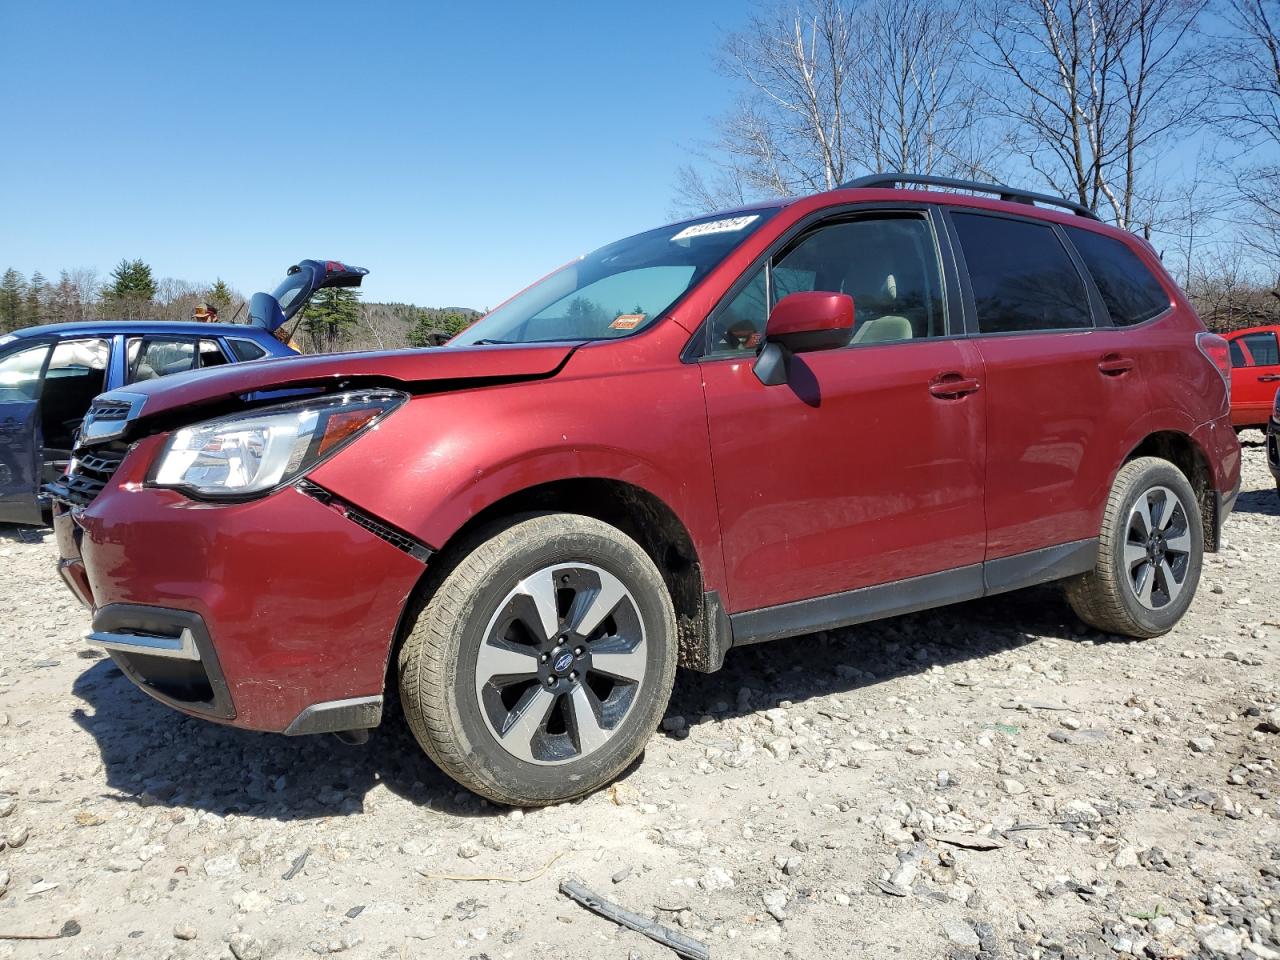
908,596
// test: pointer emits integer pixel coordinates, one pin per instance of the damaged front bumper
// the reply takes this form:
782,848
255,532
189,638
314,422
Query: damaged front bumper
275,614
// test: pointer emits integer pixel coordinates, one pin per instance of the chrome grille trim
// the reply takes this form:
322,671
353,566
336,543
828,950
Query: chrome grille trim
110,415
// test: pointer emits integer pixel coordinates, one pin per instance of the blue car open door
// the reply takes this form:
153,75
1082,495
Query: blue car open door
22,365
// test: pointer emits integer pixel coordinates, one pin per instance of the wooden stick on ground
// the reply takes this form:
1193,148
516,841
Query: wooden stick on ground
685,946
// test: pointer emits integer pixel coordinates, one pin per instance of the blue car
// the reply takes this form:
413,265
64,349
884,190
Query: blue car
49,374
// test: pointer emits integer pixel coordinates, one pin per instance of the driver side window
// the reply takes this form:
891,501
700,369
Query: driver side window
887,264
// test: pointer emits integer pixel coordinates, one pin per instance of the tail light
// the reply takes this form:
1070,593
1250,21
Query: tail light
1218,352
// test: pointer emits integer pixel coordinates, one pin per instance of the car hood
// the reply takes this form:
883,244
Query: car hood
416,371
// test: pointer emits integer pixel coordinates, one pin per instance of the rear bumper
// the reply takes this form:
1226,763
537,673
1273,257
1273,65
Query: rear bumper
277,614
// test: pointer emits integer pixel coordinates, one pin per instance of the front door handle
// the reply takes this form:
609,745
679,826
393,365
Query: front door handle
1114,365
953,386
1269,378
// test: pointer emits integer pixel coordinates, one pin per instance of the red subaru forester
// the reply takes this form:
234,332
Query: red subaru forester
755,424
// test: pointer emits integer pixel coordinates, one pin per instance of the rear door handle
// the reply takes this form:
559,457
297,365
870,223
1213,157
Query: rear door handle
953,386
1114,365
1269,378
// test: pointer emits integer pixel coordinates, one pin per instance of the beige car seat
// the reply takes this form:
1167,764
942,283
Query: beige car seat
888,327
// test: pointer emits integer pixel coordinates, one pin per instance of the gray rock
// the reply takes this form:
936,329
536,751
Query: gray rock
184,931
1162,926
245,947
961,934
775,901
1201,744
1222,940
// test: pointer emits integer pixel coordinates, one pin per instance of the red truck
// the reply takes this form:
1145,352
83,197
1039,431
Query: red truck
755,424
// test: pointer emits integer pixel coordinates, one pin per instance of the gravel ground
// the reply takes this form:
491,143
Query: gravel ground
990,780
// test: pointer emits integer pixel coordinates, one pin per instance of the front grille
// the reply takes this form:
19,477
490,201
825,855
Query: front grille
88,473
103,409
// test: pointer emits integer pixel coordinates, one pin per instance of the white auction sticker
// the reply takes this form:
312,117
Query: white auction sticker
731,225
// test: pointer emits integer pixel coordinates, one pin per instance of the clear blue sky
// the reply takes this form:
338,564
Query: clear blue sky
458,151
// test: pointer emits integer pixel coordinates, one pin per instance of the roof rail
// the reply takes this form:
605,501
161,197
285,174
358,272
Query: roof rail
1000,190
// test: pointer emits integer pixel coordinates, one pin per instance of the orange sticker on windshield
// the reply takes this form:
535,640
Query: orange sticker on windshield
627,321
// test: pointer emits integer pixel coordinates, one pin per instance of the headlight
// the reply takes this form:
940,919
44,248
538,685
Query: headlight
251,453
1275,407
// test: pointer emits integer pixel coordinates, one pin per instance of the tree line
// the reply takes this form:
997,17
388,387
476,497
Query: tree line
335,319
1161,115
130,292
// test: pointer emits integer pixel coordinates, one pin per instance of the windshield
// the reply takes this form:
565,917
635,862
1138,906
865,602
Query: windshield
619,289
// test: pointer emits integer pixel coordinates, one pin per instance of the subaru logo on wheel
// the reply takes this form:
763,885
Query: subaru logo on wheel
563,662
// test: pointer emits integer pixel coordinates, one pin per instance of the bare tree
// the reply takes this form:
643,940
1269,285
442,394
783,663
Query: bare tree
1092,89
1228,296
1246,65
834,89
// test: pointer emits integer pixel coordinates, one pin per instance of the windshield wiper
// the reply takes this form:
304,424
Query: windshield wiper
487,340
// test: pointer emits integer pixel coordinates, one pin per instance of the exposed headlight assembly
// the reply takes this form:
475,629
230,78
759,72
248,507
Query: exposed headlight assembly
247,454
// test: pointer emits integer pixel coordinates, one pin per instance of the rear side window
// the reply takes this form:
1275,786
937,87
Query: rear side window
246,349
1262,350
152,357
1130,292
1022,276
211,354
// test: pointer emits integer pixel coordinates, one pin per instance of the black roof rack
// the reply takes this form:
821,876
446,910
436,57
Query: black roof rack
1000,190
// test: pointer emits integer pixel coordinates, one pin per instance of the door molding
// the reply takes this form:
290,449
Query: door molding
914,594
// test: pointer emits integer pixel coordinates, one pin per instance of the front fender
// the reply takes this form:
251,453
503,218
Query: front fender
442,459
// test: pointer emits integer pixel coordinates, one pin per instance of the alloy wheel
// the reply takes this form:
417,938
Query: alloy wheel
1157,547
561,663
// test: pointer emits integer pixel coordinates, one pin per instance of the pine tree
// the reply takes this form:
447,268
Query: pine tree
132,289
330,316
12,289
132,278
220,296
432,328
34,312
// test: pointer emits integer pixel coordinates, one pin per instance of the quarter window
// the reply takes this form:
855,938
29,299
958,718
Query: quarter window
1128,288
1022,277
888,265
246,349
1262,351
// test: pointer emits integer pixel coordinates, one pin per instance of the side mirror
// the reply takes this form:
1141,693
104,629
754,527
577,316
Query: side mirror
799,323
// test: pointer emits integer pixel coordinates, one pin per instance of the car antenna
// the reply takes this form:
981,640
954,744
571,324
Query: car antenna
236,316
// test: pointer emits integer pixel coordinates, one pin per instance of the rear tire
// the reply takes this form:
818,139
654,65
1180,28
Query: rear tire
543,660
1150,553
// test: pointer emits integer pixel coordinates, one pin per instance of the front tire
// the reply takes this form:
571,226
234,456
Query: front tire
543,660
1150,552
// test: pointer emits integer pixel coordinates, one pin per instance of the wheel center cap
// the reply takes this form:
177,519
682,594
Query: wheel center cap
562,662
